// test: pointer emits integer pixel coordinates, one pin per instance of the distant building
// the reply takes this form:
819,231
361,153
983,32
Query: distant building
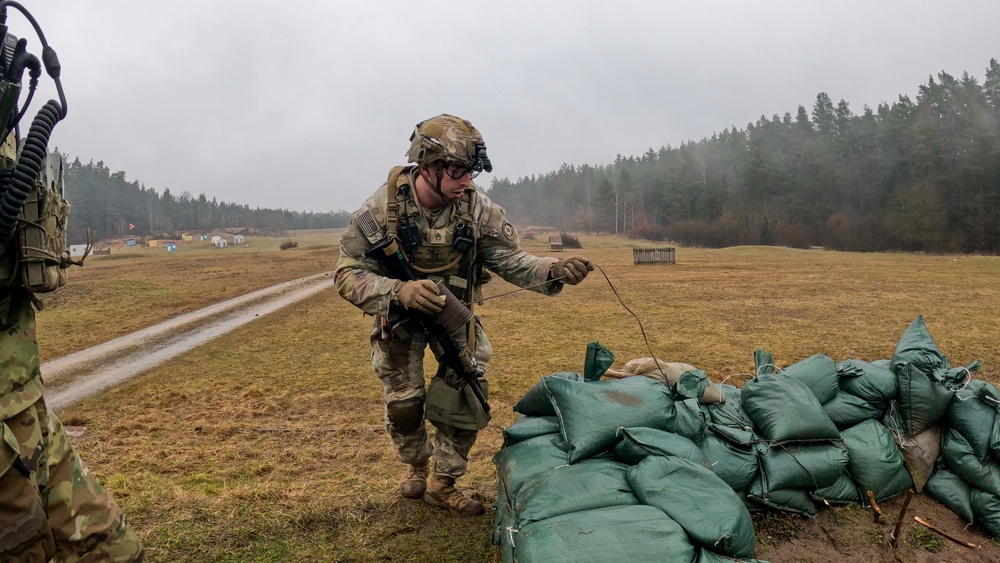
77,249
204,237
187,238
221,243
171,247
238,239
130,242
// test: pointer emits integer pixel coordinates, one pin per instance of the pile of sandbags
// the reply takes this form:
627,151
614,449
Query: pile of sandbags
656,462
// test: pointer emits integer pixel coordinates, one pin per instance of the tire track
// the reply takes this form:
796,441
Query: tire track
79,375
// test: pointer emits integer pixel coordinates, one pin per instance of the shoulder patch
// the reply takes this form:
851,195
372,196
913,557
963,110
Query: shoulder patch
508,230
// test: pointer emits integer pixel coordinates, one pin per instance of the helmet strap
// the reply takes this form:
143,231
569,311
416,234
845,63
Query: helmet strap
436,184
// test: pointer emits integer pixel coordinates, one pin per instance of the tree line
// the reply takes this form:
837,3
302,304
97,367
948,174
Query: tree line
113,207
917,174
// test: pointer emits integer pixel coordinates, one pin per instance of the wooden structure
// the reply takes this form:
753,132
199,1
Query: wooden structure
555,243
663,255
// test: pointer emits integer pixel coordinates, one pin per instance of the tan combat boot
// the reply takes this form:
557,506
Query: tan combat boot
441,492
415,483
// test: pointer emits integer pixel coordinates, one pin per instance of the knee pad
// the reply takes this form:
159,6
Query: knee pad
406,415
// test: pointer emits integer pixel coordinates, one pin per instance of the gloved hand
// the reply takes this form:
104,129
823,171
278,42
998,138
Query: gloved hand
421,295
572,270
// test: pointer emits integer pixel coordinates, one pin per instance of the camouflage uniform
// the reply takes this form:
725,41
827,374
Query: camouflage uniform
399,364
51,506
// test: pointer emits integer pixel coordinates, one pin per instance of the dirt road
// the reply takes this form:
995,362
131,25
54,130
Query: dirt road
79,375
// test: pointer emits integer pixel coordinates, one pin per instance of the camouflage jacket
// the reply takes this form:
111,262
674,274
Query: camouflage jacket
20,377
362,282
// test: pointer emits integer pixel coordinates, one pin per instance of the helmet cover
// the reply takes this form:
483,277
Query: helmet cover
451,139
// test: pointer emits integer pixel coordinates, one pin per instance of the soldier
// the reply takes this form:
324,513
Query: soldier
450,233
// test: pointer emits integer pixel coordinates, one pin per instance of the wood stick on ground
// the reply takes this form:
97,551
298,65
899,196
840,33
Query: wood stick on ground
875,509
943,533
899,521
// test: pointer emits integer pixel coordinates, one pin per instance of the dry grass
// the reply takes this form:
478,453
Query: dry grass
267,444
137,287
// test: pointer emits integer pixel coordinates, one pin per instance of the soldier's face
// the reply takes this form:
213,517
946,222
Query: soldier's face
452,188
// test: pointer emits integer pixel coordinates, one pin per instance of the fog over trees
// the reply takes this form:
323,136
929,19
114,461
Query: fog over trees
912,175
917,174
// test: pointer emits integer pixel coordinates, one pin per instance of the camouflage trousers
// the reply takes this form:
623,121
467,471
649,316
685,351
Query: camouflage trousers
51,507
399,365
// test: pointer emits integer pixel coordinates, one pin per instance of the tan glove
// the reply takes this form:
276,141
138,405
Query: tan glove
421,295
572,270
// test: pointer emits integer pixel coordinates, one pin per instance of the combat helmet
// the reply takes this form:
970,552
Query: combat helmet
451,139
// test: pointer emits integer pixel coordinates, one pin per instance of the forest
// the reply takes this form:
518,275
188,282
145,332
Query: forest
917,174
112,207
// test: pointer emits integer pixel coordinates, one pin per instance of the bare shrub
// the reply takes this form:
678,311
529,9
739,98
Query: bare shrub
570,241
655,233
288,244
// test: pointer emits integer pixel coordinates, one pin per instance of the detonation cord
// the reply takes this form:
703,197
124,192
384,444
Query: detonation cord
613,290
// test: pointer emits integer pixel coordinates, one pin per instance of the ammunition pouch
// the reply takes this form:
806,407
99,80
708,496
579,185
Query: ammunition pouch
38,255
456,407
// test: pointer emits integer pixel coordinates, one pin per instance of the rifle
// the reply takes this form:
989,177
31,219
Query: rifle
454,356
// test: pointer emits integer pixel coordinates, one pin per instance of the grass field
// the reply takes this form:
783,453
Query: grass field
267,444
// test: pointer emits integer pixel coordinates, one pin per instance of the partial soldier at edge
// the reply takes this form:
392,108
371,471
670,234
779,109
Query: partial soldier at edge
51,506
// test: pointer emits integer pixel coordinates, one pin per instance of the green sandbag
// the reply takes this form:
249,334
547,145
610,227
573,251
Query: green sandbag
986,508
973,413
763,362
587,485
597,361
918,348
503,524
527,427
736,436
690,418
618,533
784,409
590,414
920,453
819,373
995,441
639,443
735,465
711,514
960,458
516,464
501,512
729,418
535,402
875,463
788,500
690,385
922,401
869,381
708,556
802,466
846,410
843,491
951,491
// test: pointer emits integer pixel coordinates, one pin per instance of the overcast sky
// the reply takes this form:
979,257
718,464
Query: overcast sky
305,105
